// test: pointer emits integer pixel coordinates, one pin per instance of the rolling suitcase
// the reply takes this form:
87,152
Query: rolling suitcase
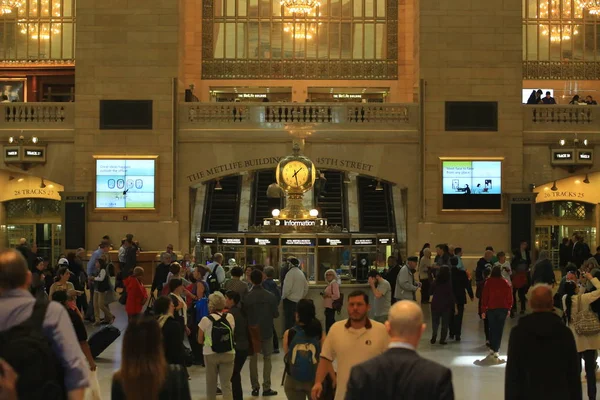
100,340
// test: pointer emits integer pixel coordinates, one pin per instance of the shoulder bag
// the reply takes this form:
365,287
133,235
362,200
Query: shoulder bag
585,322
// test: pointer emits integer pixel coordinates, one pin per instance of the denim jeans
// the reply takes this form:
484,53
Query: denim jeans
496,318
236,378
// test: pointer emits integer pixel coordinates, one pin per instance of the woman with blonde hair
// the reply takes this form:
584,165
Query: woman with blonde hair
219,352
425,274
331,293
144,373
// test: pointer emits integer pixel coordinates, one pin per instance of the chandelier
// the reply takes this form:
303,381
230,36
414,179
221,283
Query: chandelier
300,30
6,6
593,6
559,33
560,10
300,6
42,30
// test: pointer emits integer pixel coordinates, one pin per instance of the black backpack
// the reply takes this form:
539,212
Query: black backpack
30,354
212,280
221,334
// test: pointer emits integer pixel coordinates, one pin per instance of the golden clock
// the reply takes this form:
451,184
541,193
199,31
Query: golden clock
296,173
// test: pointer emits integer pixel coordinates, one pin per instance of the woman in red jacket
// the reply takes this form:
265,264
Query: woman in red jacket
136,293
495,306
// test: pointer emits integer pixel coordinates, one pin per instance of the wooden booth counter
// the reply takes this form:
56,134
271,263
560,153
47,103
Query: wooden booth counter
146,259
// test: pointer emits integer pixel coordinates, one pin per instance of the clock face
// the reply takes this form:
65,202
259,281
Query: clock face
295,174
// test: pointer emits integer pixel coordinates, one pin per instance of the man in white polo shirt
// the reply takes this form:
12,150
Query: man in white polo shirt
350,342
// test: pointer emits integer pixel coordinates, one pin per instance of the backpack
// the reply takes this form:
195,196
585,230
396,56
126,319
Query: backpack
213,281
221,335
30,354
339,303
303,355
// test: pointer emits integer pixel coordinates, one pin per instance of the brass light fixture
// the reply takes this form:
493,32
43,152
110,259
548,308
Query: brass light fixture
593,6
554,188
300,6
378,188
587,179
218,185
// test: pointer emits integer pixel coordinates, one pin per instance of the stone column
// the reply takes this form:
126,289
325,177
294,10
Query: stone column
245,200
352,194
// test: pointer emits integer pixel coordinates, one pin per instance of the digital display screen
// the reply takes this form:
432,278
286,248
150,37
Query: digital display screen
472,185
125,183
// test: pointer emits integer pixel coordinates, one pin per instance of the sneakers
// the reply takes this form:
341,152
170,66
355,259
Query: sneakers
496,355
432,341
255,392
457,339
269,392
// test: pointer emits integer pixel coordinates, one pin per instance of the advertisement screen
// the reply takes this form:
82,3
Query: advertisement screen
472,185
125,183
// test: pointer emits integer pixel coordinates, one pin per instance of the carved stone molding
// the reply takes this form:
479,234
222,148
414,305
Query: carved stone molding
558,70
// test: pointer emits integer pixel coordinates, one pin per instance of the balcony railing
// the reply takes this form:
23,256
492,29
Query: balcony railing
37,115
199,115
552,118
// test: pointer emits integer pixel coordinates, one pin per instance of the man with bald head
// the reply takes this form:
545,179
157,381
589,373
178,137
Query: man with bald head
543,362
400,373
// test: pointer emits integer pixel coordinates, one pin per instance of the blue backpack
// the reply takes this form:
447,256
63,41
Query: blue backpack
303,355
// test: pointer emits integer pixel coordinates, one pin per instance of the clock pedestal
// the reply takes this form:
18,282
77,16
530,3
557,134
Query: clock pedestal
294,208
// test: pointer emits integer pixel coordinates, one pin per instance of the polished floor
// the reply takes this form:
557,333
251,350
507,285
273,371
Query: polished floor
470,381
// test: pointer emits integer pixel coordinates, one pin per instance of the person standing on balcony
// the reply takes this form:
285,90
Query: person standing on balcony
548,99
575,100
590,101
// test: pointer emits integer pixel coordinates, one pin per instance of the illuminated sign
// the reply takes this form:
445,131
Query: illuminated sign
585,156
298,242
295,222
363,242
334,241
386,240
564,155
236,241
347,96
209,240
12,153
252,95
255,241
34,153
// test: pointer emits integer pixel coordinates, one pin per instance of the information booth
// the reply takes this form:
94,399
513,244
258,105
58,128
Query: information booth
333,252
303,247
263,250
386,247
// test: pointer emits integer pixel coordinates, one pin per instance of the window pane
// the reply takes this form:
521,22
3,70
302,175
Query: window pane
276,40
265,40
358,8
346,40
323,39
357,48
253,40
265,8
219,8
578,43
219,40
380,8
335,8
311,44
544,43
334,41
288,43
346,8
369,8
230,10
55,41
241,40
68,8
253,8
380,42
242,8
324,8
230,40
369,41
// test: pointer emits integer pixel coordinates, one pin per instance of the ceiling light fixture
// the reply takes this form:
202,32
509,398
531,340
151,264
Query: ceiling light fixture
43,30
300,6
347,178
7,6
554,188
218,185
378,188
593,6
20,180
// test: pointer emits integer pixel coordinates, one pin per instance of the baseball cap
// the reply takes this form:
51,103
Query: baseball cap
63,261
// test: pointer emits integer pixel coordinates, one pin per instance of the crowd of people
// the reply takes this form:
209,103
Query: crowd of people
229,318
538,97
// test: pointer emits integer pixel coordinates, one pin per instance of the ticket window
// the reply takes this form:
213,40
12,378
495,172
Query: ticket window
263,251
386,247
303,250
234,252
334,253
206,247
364,257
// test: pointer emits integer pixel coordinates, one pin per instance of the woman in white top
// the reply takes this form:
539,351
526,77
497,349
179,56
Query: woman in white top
575,301
425,274
218,357
62,281
331,293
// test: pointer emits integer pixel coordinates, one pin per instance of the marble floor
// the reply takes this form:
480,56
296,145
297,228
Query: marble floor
470,381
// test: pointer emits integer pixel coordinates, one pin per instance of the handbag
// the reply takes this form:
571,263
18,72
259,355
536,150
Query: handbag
149,312
585,322
201,308
93,391
338,303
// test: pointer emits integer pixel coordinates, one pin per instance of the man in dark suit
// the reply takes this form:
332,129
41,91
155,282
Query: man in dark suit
392,274
542,350
400,373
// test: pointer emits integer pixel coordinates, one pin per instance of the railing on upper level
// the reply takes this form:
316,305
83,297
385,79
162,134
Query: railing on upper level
202,115
558,118
37,115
